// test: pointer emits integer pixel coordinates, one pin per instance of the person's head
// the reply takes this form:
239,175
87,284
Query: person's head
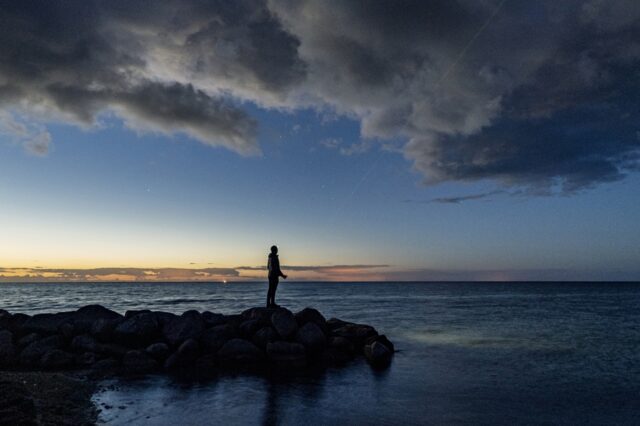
274,250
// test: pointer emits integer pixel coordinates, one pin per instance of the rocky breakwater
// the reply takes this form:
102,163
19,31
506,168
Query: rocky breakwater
100,340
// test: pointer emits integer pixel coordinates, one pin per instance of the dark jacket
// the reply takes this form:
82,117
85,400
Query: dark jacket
274,266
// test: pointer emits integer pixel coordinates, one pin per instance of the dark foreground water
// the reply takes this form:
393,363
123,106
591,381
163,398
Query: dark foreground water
470,353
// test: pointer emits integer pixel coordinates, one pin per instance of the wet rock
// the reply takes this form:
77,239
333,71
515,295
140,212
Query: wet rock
56,359
287,353
356,333
378,354
249,327
84,343
137,362
32,354
342,345
240,351
7,348
187,326
312,315
284,323
137,330
312,337
382,339
264,336
159,351
212,319
214,338
184,356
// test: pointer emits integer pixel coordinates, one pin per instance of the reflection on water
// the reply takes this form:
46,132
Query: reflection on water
470,353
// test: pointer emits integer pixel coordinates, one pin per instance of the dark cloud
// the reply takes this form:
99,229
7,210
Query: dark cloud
540,95
460,199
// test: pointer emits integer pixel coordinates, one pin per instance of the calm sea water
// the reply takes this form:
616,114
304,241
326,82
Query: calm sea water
470,353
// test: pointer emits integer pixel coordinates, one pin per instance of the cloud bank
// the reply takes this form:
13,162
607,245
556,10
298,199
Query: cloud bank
540,95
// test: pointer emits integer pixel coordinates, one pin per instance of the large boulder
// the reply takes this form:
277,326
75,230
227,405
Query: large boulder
264,336
111,350
32,354
137,362
240,351
137,330
25,341
46,323
262,314
334,323
214,338
382,339
7,348
159,351
5,319
249,327
284,323
185,356
85,317
378,354
312,337
189,325
312,315
84,343
286,354
212,319
14,323
356,333
103,328
57,359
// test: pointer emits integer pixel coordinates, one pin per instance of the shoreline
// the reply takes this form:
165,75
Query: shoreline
46,398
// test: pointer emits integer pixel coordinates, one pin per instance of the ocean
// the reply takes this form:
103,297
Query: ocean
468,353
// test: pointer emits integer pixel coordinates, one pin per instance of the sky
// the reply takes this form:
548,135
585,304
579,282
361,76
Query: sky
426,140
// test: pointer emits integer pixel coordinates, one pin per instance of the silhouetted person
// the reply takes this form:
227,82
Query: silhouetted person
273,264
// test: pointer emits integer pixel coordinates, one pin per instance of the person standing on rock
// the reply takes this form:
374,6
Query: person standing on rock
273,265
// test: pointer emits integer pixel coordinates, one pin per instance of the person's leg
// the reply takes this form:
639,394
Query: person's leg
273,295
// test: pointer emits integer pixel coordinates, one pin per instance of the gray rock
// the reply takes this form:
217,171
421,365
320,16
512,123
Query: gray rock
15,322
206,364
133,312
284,323
137,330
378,354
214,338
84,343
264,336
7,348
189,325
185,356
32,354
342,345
312,315
111,350
240,351
164,318
212,319
106,366
262,314
56,359
286,354
137,362
158,351
312,337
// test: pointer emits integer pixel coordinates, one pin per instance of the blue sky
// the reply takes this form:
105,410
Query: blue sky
436,140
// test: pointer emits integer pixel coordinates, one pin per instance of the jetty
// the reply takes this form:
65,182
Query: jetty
107,343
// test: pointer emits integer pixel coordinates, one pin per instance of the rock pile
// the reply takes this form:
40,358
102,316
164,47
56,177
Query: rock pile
101,340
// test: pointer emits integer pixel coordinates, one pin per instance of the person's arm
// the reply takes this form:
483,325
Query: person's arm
280,271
